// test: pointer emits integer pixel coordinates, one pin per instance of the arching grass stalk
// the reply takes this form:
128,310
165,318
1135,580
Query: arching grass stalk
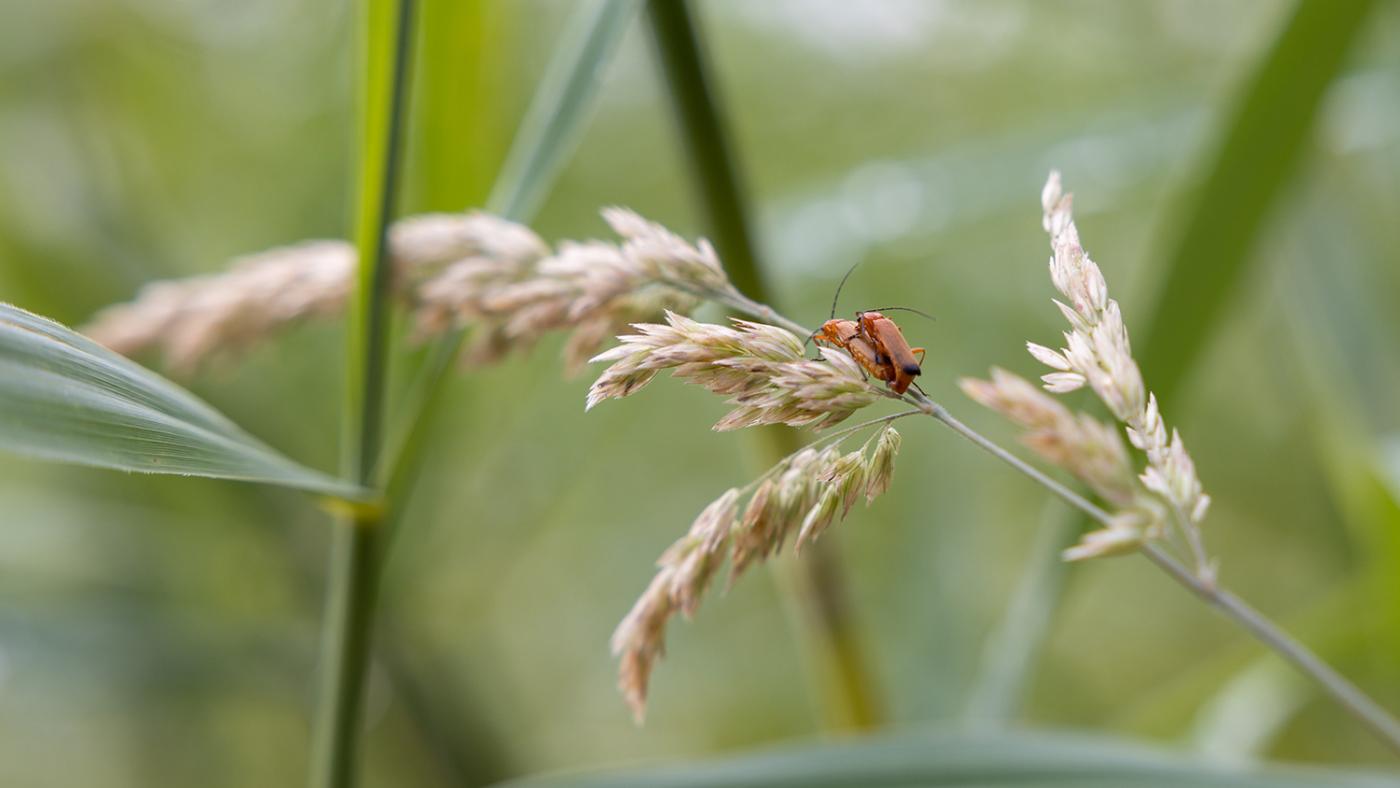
761,367
1203,586
1170,473
1343,691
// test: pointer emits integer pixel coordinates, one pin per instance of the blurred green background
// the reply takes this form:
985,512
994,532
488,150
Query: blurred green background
163,631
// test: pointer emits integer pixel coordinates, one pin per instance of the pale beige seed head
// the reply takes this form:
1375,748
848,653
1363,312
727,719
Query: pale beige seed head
421,244
882,463
641,639
1128,531
664,254
819,517
760,368
193,319
697,557
1084,446
453,270
798,498
1099,354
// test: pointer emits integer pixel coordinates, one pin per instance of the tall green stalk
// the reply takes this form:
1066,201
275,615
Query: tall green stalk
815,586
386,41
551,129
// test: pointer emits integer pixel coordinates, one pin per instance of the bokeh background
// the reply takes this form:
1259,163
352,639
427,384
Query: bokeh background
163,631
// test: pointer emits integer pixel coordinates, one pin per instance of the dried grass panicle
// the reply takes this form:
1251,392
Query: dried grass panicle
1099,355
453,270
761,368
190,319
260,295
665,255
592,288
421,245
796,499
1128,531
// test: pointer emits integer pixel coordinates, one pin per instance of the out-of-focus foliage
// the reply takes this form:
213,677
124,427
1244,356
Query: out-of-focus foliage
927,759
71,400
162,631
1269,131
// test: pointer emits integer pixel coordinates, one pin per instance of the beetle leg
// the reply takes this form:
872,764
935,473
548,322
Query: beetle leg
921,353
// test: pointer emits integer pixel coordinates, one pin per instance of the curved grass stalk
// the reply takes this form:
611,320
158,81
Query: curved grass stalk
1341,689
1376,718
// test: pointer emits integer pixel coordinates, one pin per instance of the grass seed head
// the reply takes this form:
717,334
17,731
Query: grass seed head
1098,351
760,368
452,270
797,499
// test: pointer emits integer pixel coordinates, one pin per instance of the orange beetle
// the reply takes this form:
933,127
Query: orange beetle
847,334
875,342
891,349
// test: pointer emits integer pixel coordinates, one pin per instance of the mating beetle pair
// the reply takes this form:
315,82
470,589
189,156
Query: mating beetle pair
875,342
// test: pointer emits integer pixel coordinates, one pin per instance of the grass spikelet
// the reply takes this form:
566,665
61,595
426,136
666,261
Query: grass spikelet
1097,354
191,319
760,368
796,499
451,270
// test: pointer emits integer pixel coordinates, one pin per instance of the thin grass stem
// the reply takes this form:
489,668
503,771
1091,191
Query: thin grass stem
1202,583
1342,690
551,128
348,626
1380,721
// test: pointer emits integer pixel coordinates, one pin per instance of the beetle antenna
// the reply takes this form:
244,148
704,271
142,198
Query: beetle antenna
837,297
903,309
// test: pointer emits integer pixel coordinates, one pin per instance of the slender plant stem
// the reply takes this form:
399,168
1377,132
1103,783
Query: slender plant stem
743,303
714,166
1361,706
986,444
1377,719
388,32
557,114
552,126
816,585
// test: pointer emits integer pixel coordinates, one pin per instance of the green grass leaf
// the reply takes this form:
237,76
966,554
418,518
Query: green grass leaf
63,397
1261,147
914,760
549,132
563,102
